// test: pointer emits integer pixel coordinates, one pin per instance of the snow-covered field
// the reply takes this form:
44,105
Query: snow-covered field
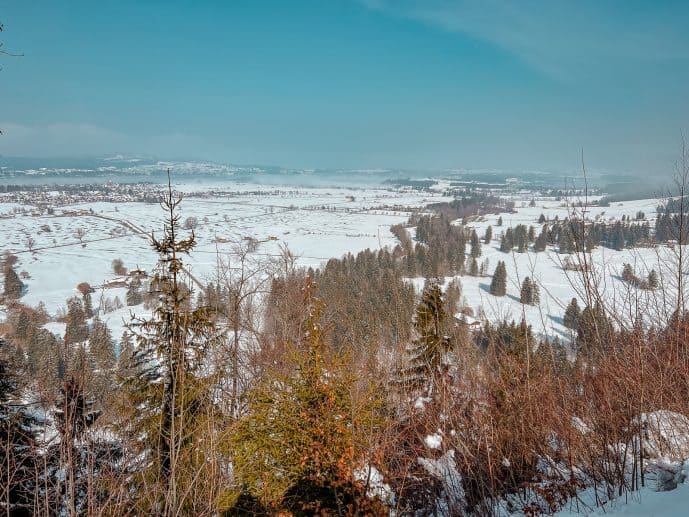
316,224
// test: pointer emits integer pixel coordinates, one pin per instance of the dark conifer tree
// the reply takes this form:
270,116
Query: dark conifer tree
165,387
74,413
76,330
526,293
535,293
473,268
13,287
628,273
431,344
565,242
507,241
541,241
489,235
617,240
572,313
653,279
475,245
594,330
88,306
134,294
498,286
23,324
101,345
521,238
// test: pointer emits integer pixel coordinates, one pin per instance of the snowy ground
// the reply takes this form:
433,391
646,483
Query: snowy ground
316,224
645,503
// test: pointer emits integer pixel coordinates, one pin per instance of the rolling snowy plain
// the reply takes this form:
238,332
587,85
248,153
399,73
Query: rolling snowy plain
78,242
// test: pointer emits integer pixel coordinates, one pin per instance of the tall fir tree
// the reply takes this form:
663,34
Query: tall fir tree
541,241
101,345
521,238
498,285
526,293
628,274
594,330
74,414
460,253
565,244
76,330
431,344
134,294
475,245
571,316
13,287
489,235
168,408
473,267
653,282
507,241
88,306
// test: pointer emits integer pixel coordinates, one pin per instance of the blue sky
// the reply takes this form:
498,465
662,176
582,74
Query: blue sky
350,83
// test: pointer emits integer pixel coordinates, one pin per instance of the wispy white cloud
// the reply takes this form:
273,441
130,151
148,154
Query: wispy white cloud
560,39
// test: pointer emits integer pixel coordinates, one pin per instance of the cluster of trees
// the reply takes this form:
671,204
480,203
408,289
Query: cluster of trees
378,304
518,237
593,329
476,204
671,227
571,235
630,276
441,248
619,235
530,292
69,380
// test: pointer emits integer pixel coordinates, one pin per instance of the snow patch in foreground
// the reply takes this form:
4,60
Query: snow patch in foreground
646,503
665,447
433,441
666,435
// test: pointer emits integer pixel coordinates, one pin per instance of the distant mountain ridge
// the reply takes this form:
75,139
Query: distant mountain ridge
134,168
128,168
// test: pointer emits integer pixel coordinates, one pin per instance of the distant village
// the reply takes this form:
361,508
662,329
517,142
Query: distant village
45,198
